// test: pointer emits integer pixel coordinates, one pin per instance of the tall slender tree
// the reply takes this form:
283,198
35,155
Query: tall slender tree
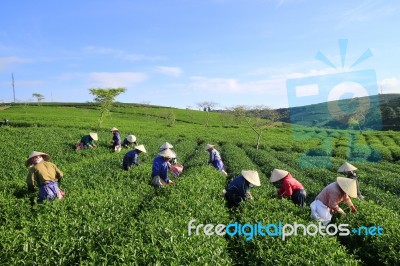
105,97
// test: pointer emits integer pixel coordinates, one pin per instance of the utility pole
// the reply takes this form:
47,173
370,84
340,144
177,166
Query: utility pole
12,77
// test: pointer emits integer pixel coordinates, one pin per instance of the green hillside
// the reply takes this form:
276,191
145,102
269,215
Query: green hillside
114,217
383,113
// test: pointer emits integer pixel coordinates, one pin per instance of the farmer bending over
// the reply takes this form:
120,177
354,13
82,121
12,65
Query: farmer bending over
44,175
159,171
350,171
87,142
288,187
327,201
215,158
129,141
131,157
239,189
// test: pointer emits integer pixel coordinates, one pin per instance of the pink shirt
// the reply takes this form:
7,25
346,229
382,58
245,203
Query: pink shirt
332,195
289,184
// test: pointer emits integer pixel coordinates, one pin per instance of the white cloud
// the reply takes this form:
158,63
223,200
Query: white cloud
7,61
117,79
230,85
314,72
120,54
390,85
169,71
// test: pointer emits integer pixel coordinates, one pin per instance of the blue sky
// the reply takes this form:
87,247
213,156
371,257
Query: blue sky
182,52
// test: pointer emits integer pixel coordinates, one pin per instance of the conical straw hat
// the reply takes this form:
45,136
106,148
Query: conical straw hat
346,167
167,153
131,138
348,185
94,136
166,145
208,146
114,129
141,148
278,174
252,177
45,156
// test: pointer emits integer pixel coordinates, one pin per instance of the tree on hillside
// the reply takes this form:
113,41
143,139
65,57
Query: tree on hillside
207,107
39,97
358,118
239,112
105,97
259,118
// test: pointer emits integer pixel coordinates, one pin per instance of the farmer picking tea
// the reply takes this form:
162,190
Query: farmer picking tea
116,140
167,145
215,158
239,189
288,187
131,157
327,201
350,171
87,142
173,165
129,141
44,175
159,171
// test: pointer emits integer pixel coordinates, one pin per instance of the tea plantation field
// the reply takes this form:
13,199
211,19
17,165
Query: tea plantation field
114,217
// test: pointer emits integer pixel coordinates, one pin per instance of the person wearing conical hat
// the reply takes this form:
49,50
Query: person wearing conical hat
116,140
87,141
131,157
175,168
129,141
159,171
289,187
327,201
239,189
350,171
4,123
167,145
44,175
215,158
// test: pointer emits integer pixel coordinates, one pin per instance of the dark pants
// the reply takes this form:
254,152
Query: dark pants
299,197
233,199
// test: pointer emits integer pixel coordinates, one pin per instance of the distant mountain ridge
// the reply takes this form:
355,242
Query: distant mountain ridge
381,112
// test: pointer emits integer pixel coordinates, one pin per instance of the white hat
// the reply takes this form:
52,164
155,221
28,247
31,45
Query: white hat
114,129
45,156
141,148
346,167
278,174
166,145
348,185
252,177
93,136
131,138
167,153
208,146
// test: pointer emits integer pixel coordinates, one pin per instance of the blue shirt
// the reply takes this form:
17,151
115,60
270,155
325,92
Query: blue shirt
130,158
214,156
87,140
126,142
116,138
239,186
160,168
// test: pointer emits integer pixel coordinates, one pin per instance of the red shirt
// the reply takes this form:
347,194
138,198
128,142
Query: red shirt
289,184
